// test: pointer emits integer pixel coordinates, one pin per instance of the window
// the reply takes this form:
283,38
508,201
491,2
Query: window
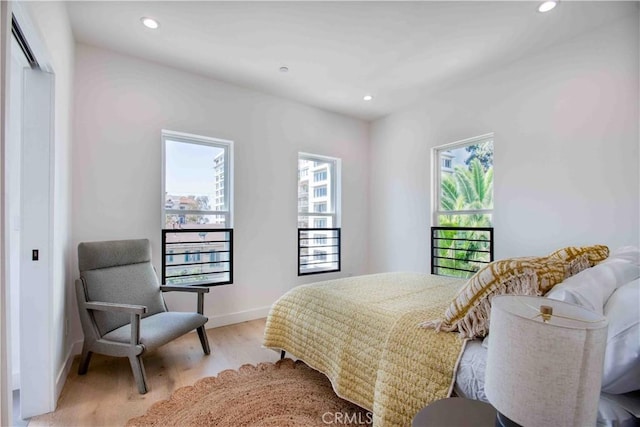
318,207
320,191
320,176
320,239
197,190
464,183
463,206
319,223
197,209
216,259
191,257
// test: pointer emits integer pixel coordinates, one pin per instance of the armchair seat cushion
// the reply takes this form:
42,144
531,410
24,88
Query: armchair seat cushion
159,329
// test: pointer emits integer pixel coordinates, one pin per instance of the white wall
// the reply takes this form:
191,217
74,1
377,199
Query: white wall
51,20
121,105
566,152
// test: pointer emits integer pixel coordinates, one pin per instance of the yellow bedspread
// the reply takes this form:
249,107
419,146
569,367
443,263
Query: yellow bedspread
362,332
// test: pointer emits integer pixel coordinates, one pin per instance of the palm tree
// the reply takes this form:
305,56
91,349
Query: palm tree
466,189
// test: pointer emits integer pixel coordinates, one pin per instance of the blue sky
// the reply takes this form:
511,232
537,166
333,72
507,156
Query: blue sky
189,169
461,154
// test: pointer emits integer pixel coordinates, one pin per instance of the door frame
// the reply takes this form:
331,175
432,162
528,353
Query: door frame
6,389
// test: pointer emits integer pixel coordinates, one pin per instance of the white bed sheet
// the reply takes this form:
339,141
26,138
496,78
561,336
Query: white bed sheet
470,384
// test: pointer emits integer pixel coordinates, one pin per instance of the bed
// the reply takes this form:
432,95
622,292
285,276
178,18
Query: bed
363,334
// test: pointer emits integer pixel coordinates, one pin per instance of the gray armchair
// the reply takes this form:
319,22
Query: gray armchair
122,310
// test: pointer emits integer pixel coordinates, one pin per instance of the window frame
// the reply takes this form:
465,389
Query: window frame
437,177
187,138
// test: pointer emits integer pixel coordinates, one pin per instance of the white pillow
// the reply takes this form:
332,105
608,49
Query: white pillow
622,357
591,288
629,253
485,342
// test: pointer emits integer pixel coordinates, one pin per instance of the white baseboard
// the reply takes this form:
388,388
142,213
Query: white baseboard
76,348
218,320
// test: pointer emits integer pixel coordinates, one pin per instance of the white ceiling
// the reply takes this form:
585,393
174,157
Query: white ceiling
338,51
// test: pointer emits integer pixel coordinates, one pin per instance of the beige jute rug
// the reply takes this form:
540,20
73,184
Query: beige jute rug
283,394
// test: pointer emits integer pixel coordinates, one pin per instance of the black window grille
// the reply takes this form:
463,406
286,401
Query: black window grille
460,251
197,256
318,250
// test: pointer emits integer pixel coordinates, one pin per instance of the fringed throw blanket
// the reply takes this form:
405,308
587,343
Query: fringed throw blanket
362,332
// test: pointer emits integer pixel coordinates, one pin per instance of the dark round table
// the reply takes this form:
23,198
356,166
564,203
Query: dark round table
456,412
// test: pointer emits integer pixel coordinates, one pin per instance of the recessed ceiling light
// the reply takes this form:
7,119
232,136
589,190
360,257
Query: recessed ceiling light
367,97
284,69
150,23
547,6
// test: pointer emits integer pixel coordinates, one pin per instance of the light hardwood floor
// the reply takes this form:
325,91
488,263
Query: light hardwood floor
107,394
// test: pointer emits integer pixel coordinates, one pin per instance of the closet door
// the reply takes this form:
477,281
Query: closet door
37,392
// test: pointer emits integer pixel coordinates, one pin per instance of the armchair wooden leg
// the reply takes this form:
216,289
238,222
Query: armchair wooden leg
85,358
138,373
202,334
